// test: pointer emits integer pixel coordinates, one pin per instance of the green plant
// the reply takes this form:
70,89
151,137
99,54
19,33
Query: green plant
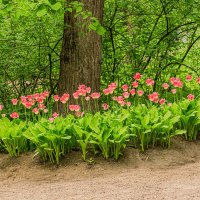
110,134
189,112
153,126
11,137
52,139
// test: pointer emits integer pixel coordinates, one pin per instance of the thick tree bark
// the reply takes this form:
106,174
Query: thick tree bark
80,61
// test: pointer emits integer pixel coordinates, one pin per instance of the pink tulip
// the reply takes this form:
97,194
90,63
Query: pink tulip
165,86
190,97
81,87
135,84
56,98
81,92
35,96
189,77
119,99
28,104
172,79
87,98
71,107
105,106
65,97
29,97
23,98
41,106
122,103
125,87
106,91
149,82
79,114
1,107
132,92
88,90
113,86
77,108
126,95
173,91
36,111
32,102
45,110
55,115
153,97
40,100
51,119
137,76
14,115
180,84
128,103
45,94
14,101
162,101
95,95
74,108
140,93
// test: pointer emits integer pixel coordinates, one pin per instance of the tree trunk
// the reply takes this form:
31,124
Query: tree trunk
80,61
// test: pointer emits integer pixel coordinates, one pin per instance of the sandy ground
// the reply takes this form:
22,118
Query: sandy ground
157,174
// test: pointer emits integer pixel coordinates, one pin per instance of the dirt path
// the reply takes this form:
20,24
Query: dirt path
157,174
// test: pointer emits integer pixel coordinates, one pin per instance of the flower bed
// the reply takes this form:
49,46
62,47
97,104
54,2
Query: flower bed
134,113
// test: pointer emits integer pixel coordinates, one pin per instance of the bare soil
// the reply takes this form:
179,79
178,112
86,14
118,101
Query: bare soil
157,174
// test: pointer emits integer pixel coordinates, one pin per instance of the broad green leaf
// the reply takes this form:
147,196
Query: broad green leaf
56,6
42,12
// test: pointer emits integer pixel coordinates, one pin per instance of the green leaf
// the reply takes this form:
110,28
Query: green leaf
5,2
56,6
79,9
42,12
167,115
69,9
94,125
92,27
145,120
78,130
179,132
10,7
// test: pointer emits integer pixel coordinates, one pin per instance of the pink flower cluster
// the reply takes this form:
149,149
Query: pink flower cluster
176,82
154,97
37,102
63,99
36,99
121,100
110,90
82,91
74,108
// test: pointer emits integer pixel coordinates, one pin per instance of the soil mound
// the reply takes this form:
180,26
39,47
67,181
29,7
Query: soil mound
156,174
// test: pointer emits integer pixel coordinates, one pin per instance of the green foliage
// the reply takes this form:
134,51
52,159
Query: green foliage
150,36
53,140
11,137
189,113
153,126
31,40
83,134
107,133
158,38
98,131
